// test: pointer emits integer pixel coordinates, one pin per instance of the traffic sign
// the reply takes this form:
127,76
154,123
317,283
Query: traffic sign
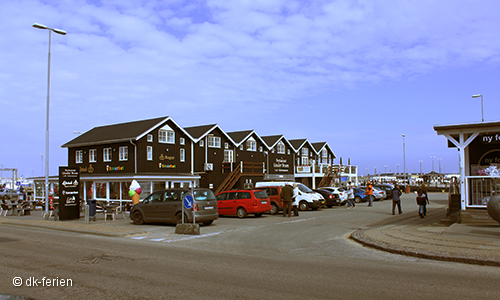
188,201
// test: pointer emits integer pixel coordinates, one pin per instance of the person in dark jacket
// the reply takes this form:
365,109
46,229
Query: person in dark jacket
396,199
286,196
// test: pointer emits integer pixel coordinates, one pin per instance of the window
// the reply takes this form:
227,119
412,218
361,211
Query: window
166,136
241,147
123,153
260,149
251,145
324,156
150,152
183,155
93,155
150,137
304,151
106,154
182,141
228,156
280,148
288,151
79,156
201,143
305,161
214,142
226,145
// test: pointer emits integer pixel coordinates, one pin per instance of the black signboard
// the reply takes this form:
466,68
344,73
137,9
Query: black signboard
69,193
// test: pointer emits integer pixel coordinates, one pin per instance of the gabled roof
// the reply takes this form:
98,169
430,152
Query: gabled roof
199,132
297,144
117,132
239,137
272,140
318,147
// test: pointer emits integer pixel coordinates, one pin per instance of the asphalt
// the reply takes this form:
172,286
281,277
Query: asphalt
474,242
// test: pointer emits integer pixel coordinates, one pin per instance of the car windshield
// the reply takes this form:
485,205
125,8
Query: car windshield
203,195
260,195
304,188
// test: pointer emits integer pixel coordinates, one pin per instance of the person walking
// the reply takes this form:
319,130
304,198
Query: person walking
396,199
422,200
295,205
369,193
350,197
286,197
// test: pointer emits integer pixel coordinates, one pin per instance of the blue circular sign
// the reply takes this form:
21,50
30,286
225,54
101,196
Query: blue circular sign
188,201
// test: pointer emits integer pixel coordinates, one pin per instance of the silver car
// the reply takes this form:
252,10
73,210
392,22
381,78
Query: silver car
9,194
165,206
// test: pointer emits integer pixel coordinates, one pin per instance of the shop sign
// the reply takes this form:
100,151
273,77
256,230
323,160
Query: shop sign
281,165
69,193
166,157
491,138
118,168
303,169
88,169
166,166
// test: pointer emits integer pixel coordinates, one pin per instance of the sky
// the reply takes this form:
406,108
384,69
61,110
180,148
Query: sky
355,74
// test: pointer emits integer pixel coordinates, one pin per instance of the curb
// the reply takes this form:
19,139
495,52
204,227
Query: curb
360,237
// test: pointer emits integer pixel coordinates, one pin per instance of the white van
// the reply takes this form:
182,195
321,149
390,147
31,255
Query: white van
306,199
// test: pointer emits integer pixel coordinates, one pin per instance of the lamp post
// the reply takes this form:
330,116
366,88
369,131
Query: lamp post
482,111
404,161
61,32
420,161
432,157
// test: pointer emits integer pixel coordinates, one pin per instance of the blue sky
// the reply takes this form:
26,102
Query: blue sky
356,74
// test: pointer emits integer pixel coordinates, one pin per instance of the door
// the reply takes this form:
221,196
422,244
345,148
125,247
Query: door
170,206
151,206
222,204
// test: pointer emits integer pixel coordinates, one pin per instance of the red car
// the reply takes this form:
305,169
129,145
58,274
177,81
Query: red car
243,202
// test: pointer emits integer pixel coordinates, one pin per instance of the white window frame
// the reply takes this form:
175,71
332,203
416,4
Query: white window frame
201,143
166,136
214,142
304,151
280,148
149,152
304,161
182,141
226,145
183,155
106,154
93,155
251,145
150,138
123,154
228,156
79,156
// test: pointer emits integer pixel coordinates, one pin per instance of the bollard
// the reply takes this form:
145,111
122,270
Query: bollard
86,212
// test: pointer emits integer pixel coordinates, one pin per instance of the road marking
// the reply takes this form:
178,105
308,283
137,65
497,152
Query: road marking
138,237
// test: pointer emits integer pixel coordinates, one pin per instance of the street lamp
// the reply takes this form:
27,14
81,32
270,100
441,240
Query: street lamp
432,157
420,161
439,160
482,112
404,161
61,32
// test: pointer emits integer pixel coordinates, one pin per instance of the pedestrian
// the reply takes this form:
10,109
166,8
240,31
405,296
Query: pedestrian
369,193
350,196
422,200
295,205
396,200
286,197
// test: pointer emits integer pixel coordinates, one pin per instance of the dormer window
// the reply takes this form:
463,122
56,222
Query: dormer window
251,144
214,142
166,135
280,148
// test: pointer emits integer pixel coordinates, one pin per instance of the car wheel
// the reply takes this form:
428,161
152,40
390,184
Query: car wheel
137,218
206,223
241,212
303,206
178,218
258,215
274,208
357,199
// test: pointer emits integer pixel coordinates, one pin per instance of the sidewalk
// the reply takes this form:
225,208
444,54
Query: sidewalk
473,243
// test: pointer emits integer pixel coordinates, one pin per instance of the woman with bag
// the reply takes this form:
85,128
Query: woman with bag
422,200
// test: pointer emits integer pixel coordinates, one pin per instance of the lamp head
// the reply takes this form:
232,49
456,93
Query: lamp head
40,26
476,96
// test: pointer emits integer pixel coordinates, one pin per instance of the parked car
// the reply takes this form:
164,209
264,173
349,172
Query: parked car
243,202
378,194
340,191
306,199
331,198
273,192
9,194
165,206
387,188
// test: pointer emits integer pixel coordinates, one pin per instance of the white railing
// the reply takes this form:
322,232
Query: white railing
480,189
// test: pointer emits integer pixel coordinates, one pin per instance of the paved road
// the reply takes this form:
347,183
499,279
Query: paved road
271,257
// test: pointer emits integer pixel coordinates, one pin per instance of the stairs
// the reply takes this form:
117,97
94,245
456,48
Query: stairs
230,180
